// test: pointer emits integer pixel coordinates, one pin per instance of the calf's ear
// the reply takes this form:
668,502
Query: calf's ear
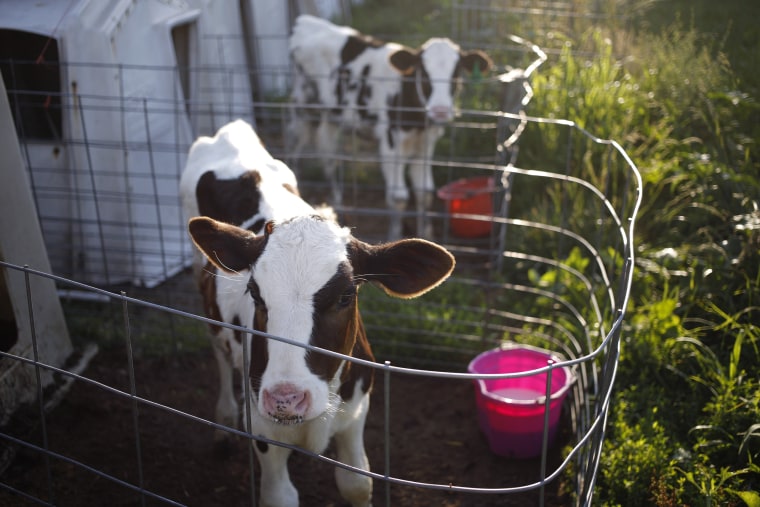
405,269
228,247
476,59
404,60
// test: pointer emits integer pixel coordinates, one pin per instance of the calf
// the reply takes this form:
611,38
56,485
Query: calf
223,177
401,97
231,177
298,278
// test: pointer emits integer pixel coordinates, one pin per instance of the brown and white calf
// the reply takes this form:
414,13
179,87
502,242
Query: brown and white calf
401,97
231,177
299,278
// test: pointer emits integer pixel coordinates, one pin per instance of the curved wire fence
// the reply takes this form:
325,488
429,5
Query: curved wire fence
551,268
561,281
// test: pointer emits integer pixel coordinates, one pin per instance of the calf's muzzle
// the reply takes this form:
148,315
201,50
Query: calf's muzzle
285,403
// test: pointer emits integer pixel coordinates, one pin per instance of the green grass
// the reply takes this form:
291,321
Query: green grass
684,425
151,333
677,83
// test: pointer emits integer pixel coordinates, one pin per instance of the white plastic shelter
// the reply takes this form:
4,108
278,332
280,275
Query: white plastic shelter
107,97
21,243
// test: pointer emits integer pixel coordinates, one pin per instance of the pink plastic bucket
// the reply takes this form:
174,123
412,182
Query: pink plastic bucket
471,196
511,410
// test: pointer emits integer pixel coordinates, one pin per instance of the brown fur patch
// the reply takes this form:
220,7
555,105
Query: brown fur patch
207,287
231,201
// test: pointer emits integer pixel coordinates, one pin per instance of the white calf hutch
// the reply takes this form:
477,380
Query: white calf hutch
107,101
24,321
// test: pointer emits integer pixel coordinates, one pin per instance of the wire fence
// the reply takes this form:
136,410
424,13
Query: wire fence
551,266
562,285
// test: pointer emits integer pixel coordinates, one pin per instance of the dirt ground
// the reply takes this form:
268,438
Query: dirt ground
434,438
433,428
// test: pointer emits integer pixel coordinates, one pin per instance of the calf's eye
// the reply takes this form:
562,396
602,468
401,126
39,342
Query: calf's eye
346,298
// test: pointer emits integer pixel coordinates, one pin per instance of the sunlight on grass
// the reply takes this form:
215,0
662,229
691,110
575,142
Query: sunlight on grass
677,84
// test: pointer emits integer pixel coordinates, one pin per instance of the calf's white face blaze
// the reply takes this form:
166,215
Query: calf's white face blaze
439,59
300,258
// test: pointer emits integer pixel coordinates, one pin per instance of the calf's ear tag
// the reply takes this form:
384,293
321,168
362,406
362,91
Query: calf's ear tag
477,76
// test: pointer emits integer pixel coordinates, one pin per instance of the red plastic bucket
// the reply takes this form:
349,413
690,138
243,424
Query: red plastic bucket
471,196
511,410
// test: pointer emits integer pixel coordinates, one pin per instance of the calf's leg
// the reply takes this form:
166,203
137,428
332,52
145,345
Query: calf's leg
276,488
421,176
327,137
226,405
349,446
396,193
301,134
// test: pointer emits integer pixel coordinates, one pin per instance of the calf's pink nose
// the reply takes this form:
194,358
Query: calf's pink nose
286,402
440,113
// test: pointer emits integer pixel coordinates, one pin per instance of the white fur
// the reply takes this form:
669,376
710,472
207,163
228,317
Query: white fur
440,57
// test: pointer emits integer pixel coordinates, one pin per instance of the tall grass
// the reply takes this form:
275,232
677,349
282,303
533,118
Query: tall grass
685,425
677,84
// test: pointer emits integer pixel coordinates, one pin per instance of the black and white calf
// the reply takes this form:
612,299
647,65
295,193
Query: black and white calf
299,278
402,97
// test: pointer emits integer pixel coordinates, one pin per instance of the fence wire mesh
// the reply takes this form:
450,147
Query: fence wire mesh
552,268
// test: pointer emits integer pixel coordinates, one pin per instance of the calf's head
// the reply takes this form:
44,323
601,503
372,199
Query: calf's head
435,71
303,277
